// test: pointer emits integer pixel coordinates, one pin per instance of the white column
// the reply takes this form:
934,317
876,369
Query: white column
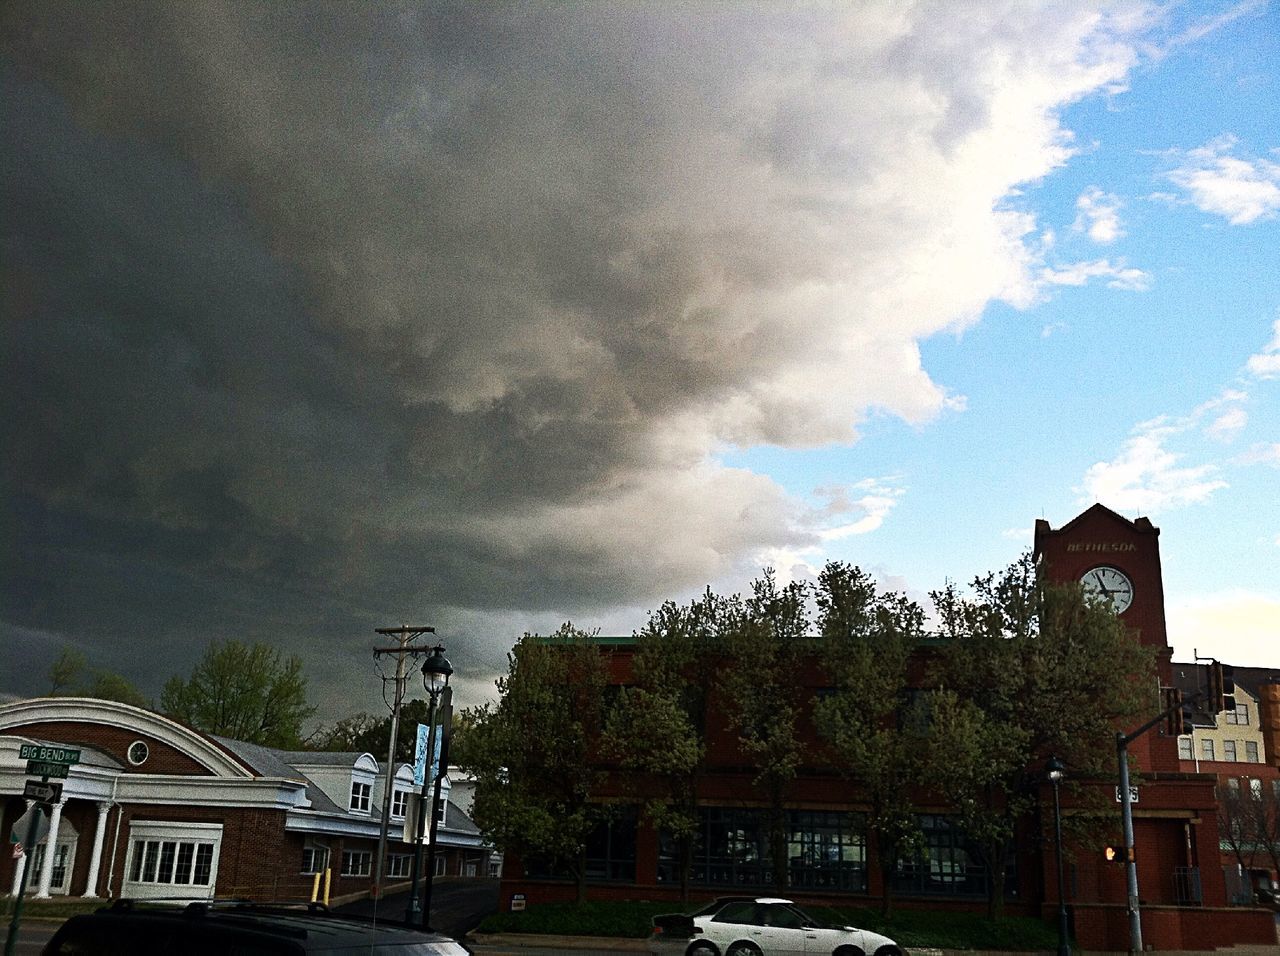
22,863
95,857
50,847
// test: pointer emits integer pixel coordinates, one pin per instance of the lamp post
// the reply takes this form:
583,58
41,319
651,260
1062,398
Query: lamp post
435,677
1055,770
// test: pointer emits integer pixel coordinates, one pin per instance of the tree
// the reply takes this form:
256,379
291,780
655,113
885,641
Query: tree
1033,669
763,679
534,754
877,736
354,733
657,729
247,692
70,676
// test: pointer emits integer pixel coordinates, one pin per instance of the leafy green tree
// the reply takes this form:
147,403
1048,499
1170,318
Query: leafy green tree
535,753
877,736
71,676
765,651
245,691
354,733
1033,669
65,671
657,729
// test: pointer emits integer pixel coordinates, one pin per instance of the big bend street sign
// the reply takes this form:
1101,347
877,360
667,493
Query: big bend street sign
67,755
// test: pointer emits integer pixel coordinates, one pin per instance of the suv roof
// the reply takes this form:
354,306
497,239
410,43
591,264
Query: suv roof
244,928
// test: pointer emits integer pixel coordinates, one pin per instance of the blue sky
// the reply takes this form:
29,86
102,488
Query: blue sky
321,318
1141,395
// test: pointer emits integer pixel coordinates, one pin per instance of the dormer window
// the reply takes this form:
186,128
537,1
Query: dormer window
360,796
399,802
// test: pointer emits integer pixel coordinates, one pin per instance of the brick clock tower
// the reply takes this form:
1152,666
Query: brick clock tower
1118,559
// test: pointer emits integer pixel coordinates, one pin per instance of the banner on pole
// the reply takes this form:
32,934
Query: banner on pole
420,754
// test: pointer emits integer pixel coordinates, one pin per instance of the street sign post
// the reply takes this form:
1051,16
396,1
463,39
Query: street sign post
46,762
42,791
44,768
12,939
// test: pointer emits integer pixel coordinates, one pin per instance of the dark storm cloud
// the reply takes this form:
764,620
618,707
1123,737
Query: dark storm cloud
317,314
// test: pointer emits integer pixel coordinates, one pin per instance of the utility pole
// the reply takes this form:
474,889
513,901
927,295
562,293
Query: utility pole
404,636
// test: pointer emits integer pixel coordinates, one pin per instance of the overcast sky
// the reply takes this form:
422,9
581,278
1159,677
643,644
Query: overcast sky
323,317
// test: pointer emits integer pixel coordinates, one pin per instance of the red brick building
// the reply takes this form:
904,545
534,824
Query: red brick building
1183,896
156,809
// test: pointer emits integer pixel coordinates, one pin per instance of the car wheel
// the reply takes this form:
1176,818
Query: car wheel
743,949
888,951
701,949
848,951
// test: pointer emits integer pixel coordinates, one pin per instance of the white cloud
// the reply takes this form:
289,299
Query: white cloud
869,502
1241,190
1262,453
1266,364
1228,424
1227,417
1099,215
1145,477
1236,626
1119,275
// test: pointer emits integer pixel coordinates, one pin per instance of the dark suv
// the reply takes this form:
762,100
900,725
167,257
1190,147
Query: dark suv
238,929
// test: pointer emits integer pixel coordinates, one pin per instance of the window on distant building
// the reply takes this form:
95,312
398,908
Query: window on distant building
398,864
356,862
1184,748
1251,751
399,800
1255,788
360,796
440,808
1206,749
1229,750
1239,716
1233,786
315,858
441,865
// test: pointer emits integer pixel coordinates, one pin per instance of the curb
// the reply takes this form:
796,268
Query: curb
616,943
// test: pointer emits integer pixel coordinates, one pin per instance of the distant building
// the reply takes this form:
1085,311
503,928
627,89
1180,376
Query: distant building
156,809
1239,747
1184,896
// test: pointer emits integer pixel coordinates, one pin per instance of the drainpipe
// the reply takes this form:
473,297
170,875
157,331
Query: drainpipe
115,839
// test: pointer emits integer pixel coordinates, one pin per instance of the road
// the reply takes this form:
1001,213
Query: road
32,935
457,906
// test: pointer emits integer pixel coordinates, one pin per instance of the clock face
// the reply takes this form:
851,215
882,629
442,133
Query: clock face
1110,585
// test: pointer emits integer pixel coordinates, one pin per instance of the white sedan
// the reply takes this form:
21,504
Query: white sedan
760,926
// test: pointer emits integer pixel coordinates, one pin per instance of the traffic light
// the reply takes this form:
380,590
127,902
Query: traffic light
1222,688
1177,714
1115,854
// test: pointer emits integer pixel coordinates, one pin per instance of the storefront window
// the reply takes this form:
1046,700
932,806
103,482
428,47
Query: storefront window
825,850
948,865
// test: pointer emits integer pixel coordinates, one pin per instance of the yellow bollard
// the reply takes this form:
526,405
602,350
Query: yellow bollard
315,888
327,873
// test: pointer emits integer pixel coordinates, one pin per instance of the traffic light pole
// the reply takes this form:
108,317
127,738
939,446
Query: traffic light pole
1177,703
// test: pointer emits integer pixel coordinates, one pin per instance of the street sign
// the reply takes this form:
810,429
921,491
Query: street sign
43,792
43,768
49,754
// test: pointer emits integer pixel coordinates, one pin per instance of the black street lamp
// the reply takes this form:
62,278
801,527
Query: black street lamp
435,677
1055,770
